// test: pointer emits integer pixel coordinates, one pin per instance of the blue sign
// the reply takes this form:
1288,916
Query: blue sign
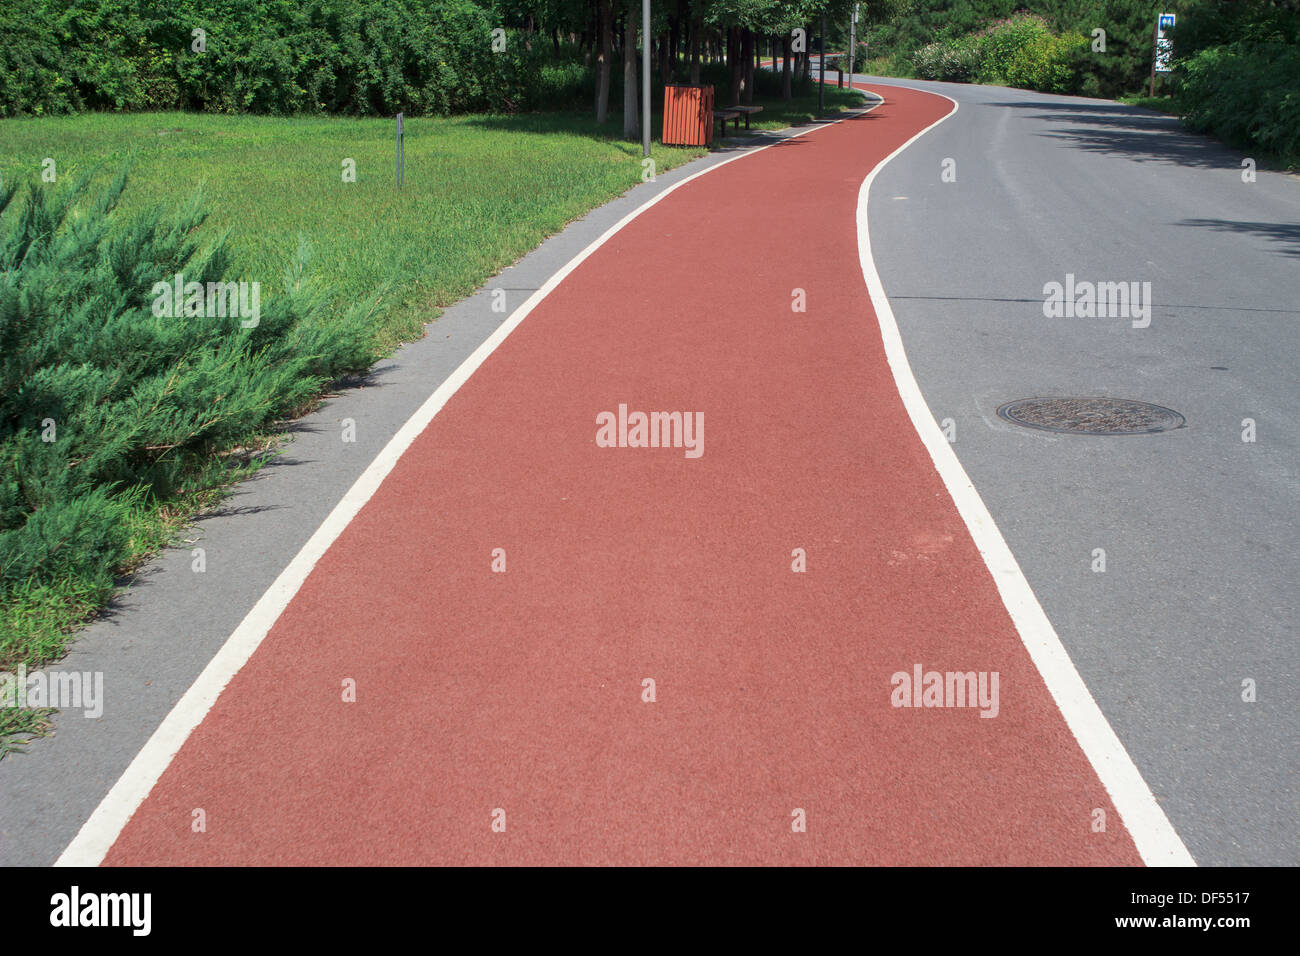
1164,45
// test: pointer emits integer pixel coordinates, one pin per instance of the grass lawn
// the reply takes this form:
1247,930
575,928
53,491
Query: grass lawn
476,196
479,193
1161,104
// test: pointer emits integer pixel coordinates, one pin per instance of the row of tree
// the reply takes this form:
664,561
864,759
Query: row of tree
379,57
742,32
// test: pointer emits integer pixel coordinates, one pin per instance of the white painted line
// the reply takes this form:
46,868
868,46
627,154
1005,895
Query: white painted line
101,830
1151,830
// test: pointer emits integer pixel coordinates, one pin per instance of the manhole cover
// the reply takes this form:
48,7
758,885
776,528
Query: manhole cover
1092,416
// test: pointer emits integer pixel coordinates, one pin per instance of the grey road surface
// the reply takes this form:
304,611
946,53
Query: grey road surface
1200,529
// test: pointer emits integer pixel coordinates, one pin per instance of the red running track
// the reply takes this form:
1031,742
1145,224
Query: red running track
523,690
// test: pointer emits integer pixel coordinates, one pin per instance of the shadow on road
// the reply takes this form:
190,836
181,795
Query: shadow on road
1285,234
1083,107
1129,131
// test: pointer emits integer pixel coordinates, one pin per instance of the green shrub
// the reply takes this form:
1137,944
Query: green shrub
1050,64
562,84
32,80
1128,25
951,60
892,65
362,57
1001,43
107,407
1245,94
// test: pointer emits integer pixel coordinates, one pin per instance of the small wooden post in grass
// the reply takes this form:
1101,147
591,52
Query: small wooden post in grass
401,167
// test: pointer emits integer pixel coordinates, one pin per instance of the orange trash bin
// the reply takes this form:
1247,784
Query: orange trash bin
688,116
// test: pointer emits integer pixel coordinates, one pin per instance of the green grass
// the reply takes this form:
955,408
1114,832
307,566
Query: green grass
479,193
1161,104
892,65
20,725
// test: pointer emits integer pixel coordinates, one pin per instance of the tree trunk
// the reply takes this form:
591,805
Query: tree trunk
674,42
735,64
786,71
631,121
747,57
605,14
555,40
695,49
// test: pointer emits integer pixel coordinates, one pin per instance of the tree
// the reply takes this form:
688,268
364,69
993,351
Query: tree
747,58
629,68
697,27
605,14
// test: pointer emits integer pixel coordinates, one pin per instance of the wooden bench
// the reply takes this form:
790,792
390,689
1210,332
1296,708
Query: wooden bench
734,113
722,116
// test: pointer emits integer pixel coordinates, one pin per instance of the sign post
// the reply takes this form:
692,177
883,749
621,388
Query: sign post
401,168
1162,56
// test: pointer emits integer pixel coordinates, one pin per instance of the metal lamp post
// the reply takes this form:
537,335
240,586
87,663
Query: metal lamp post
853,41
645,77
821,87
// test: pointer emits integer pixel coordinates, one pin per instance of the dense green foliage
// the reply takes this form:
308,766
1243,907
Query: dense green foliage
1020,51
362,57
354,57
104,405
1048,47
1236,62
1066,65
1051,63
1239,77
1247,95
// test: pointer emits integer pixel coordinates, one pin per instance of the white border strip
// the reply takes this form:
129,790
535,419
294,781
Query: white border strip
1151,830
101,830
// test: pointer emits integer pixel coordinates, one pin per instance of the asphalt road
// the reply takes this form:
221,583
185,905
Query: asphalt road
1199,528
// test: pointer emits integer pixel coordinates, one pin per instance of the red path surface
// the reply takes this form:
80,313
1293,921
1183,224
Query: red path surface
522,690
